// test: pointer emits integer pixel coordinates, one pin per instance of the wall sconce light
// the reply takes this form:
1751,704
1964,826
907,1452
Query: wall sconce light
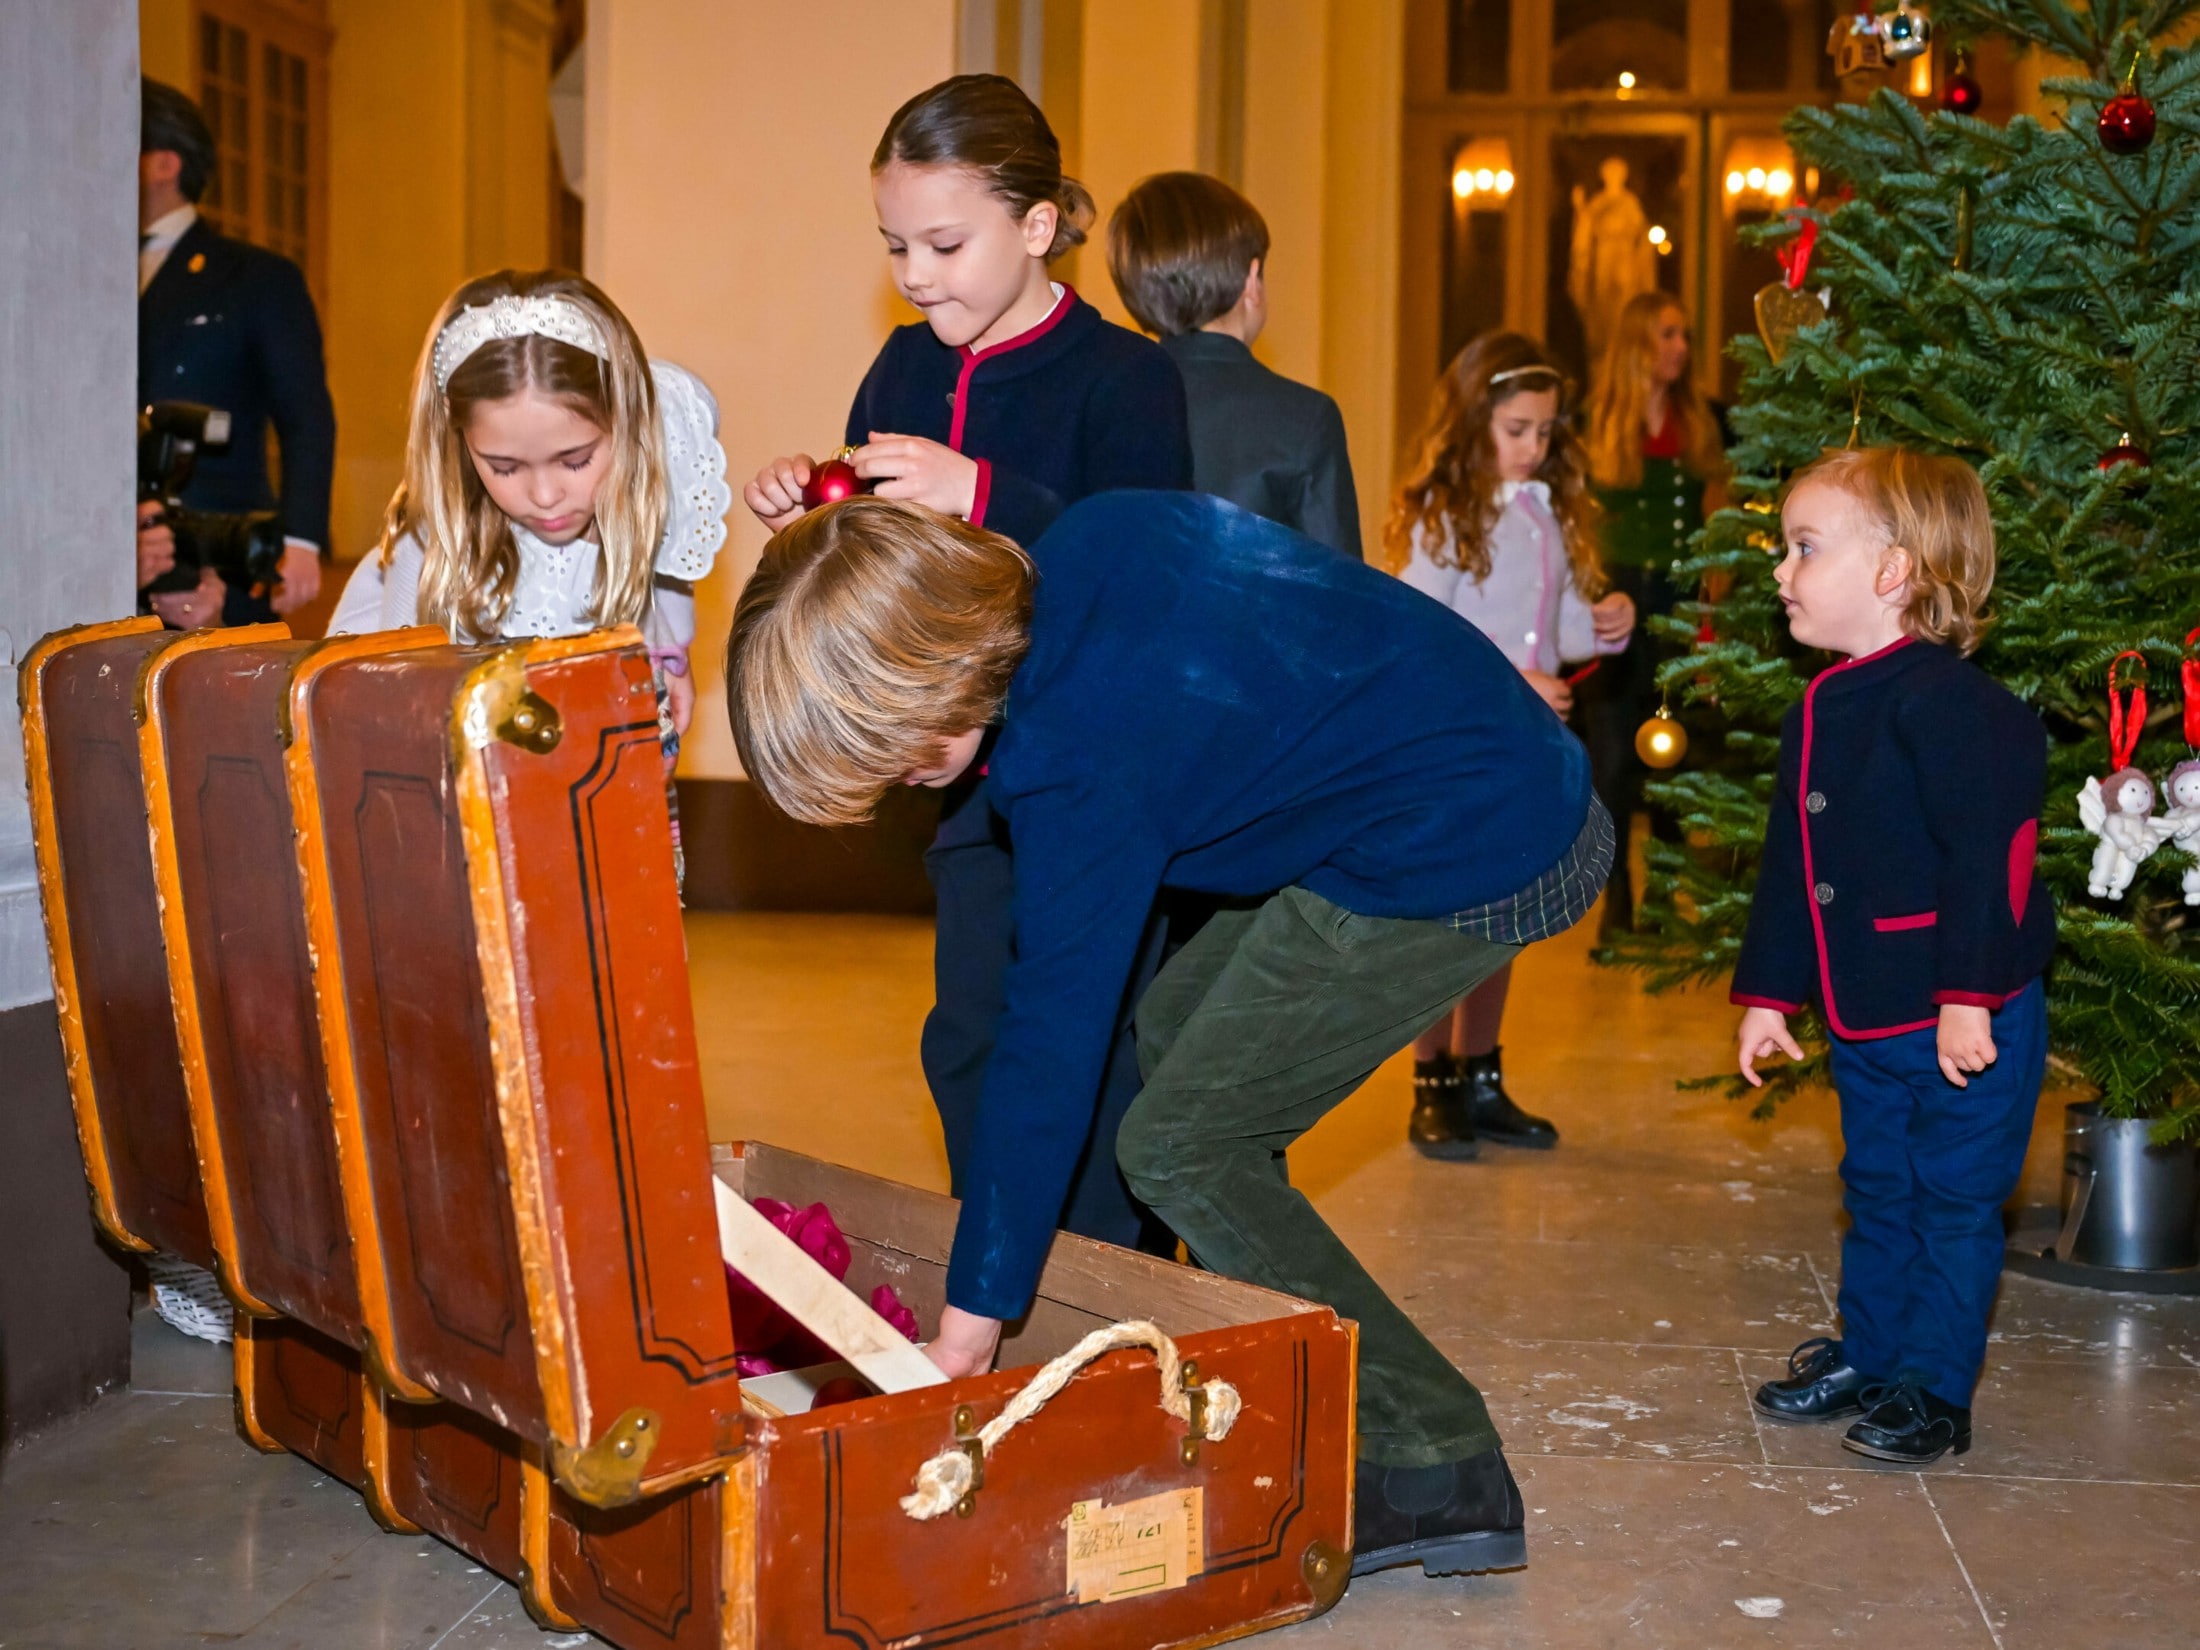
1627,80
1752,182
1482,173
1661,240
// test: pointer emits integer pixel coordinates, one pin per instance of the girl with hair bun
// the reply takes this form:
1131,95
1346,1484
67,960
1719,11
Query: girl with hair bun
1012,398
1008,402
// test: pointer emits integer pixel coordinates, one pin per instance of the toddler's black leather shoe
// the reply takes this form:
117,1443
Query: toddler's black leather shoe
1819,1385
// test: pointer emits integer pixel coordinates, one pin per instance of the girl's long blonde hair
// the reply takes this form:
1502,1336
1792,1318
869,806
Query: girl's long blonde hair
470,561
1449,495
1619,402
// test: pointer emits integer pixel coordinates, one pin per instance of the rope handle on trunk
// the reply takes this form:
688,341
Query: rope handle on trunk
1210,1410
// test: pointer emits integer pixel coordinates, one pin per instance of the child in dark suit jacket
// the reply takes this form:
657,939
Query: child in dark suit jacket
1190,257
1898,890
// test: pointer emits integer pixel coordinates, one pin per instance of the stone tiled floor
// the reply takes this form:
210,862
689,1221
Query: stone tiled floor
1616,1299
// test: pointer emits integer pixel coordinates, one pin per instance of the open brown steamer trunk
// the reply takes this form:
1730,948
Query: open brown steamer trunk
524,1154
82,694
748,1531
213,739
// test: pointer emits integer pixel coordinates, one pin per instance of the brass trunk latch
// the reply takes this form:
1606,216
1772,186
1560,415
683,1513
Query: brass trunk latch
1196,1426
532,724
608,1473
973,1447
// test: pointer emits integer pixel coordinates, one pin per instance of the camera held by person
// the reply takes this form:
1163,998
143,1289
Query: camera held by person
242,547
223,323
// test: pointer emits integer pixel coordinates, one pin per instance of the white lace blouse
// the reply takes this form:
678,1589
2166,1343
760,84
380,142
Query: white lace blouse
550,597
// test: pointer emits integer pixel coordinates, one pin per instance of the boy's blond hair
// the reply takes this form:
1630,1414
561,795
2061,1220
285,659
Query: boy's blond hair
1935,508
871,631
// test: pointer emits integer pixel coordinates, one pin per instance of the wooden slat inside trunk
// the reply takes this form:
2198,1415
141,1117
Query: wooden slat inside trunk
901,1235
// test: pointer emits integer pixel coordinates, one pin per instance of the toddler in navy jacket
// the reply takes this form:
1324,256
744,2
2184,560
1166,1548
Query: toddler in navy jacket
1898,892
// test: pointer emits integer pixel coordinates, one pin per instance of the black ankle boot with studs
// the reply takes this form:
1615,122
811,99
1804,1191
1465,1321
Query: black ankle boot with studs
1492,1109
1441,1127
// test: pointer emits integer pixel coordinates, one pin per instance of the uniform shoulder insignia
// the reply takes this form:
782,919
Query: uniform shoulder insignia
197,265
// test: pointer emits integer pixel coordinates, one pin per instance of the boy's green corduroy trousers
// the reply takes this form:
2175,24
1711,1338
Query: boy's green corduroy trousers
1248,1038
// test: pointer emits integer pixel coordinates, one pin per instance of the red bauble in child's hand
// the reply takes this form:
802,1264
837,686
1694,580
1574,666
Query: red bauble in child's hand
832,481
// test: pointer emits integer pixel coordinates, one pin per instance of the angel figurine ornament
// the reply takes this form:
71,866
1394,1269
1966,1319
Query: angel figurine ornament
2121,813
2180,821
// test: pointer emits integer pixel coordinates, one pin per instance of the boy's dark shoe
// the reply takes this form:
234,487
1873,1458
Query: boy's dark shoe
1441,1126
1495,1116
1461,1518
1906,1424
1819,1385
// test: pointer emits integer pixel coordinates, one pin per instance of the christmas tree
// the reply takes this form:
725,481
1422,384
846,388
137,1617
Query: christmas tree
2026,296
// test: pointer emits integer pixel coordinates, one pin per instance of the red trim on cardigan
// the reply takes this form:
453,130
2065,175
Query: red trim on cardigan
1810,875
2024,850
982,494
1968,999
1899,925
971,357
1743,999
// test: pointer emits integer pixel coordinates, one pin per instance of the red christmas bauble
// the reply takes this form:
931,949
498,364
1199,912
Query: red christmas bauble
2124,452
841,1389
2127,123
1962,95
831,481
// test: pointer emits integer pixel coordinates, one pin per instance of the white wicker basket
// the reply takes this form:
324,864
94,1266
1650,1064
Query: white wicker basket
188,1298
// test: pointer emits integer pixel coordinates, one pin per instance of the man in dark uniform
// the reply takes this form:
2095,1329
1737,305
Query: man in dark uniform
229,325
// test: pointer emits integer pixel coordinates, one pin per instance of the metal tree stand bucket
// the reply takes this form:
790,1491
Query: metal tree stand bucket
2128,1204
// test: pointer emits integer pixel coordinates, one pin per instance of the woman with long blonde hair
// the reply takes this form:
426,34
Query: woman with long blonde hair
1495,520
1656,449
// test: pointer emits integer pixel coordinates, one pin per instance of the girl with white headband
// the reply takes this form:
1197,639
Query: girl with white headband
1496,521
556,480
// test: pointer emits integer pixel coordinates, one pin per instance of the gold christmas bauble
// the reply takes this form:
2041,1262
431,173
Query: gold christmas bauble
1661,742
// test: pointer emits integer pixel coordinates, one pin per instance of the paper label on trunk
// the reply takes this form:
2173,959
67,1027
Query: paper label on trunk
1145,1546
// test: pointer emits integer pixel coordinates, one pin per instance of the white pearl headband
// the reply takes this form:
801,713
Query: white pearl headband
545,316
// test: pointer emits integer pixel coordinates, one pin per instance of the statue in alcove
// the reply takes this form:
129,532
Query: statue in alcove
1613,259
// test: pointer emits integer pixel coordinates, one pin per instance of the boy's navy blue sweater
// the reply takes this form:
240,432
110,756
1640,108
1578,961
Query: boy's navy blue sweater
1214,702
1075,406
1898,871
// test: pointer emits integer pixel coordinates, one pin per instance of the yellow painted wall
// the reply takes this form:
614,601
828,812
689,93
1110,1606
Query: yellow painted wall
396,232
165,51
439,165
1138,114
1365,99
1285,150
729,215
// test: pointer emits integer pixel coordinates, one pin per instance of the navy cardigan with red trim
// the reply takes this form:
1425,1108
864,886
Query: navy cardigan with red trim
1074,406
1898,868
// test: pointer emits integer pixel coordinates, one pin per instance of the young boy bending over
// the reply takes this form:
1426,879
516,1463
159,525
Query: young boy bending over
1193,697
1898,891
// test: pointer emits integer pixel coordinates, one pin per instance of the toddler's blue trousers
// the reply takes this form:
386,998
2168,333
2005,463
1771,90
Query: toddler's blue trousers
1927,1169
